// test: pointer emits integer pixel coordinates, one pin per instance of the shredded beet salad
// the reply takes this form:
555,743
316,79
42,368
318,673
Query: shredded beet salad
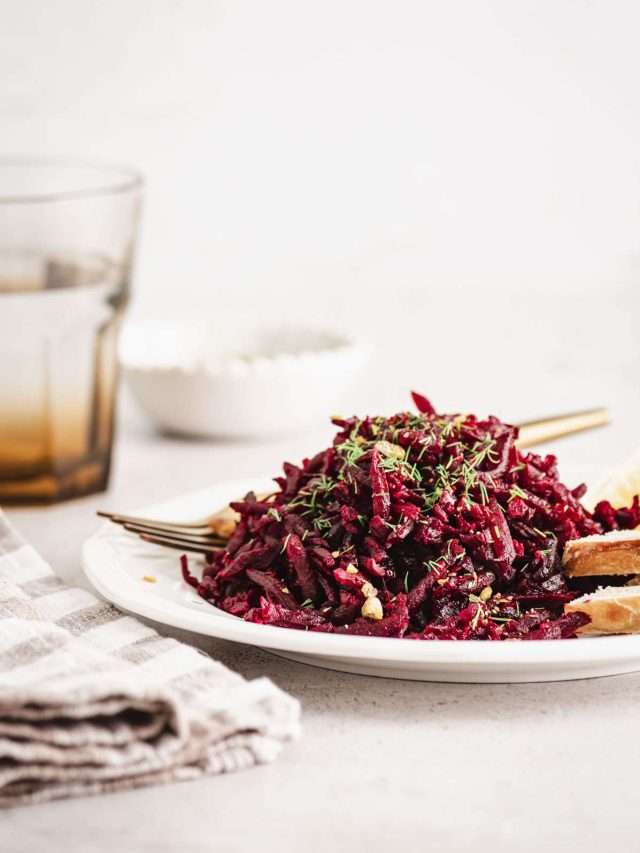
424,526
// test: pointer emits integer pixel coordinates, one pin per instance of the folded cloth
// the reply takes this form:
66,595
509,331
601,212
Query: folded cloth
92,700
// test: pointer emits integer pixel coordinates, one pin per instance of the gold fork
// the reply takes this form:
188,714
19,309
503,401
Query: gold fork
546,429
202,536
212,532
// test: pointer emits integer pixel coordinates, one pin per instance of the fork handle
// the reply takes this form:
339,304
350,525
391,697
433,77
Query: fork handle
546,429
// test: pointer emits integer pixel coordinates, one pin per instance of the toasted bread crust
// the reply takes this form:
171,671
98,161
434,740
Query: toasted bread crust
584,557
608,615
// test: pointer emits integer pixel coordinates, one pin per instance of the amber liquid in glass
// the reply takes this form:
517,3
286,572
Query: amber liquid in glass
59,319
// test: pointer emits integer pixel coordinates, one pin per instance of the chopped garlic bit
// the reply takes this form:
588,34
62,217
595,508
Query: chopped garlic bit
486,593
369,590
391,451
372,609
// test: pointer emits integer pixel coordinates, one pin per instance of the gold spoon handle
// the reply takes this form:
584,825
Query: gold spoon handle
546,429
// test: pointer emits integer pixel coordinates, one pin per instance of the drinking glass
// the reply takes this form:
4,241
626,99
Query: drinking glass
67,238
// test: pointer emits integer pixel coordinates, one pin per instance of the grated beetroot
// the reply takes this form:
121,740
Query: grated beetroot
456,532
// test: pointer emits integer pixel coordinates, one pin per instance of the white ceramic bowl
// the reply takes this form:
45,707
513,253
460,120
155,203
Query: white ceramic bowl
242,384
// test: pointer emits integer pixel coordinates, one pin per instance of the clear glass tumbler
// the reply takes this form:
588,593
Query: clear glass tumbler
67,238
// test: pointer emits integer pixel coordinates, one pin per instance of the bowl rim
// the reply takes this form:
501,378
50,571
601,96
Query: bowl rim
343,345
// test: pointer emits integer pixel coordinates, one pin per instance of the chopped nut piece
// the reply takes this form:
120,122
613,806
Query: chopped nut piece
335,554
392,451
351,569
150,578
372,609
286,589
369,590
224,523
486,593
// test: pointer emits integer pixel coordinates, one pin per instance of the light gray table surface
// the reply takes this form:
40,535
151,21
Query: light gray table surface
381,764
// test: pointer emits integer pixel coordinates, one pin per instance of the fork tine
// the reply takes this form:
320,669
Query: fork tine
220,523
192,538
178,545
167,526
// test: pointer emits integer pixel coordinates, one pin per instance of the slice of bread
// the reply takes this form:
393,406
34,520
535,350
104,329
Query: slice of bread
612,609
614,553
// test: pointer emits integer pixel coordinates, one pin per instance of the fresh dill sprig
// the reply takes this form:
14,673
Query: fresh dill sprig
409,469
318,487
351,451
517,492
482,450
443,475
431,499
285,543
423,450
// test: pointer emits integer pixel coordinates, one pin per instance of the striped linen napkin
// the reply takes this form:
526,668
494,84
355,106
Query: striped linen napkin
92,700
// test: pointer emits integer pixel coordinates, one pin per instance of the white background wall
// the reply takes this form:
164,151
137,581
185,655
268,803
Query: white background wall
459,181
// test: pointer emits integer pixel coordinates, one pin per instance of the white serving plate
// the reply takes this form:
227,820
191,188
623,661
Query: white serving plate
116,562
